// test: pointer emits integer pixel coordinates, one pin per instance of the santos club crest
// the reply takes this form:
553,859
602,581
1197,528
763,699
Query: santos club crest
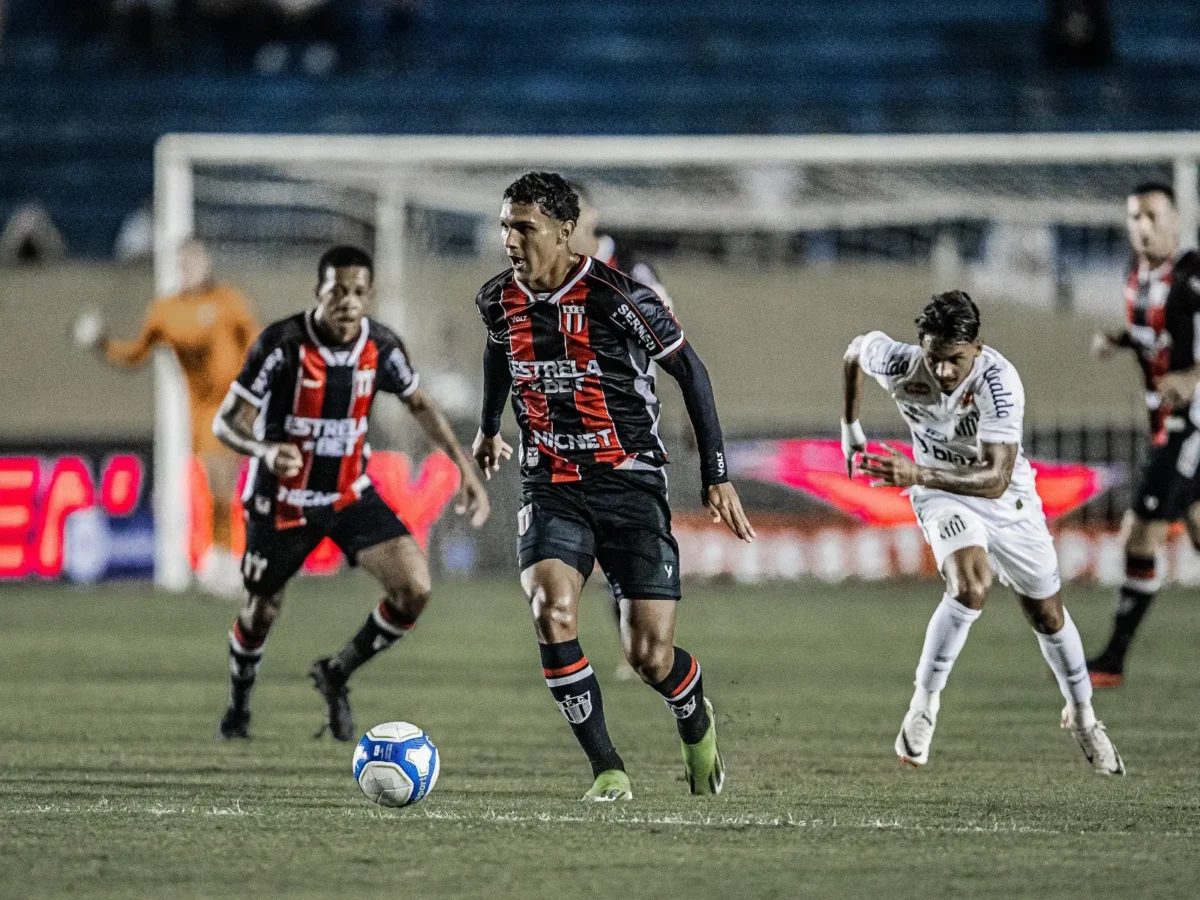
572,319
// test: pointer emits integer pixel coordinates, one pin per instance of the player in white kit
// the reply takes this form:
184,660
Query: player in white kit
973,492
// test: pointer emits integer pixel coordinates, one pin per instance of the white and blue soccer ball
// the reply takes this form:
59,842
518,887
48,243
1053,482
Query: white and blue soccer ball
396,764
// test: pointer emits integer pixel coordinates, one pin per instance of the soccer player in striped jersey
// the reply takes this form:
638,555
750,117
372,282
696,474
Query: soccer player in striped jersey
299,409
972,490
1162,328
587,241
573,339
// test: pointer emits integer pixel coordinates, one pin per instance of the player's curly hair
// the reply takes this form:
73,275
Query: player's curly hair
951,317
342,256
549,191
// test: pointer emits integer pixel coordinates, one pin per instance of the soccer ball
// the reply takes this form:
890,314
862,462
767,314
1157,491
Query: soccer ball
396,764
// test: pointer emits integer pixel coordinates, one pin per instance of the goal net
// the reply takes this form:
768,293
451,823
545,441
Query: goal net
775,250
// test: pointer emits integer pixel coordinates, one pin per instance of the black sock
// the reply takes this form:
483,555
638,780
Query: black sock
383,627
1141,584
245,657
577,692
683,689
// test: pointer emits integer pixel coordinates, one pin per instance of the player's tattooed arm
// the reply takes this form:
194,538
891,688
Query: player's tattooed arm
234,427
989,479
853,439
472,496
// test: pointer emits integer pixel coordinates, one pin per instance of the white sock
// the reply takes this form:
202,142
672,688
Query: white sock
944,640
1063,651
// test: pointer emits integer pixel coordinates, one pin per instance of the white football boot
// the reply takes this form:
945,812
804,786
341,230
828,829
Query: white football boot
1096,745
916,734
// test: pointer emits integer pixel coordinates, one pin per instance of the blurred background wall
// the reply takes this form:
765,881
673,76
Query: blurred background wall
87,88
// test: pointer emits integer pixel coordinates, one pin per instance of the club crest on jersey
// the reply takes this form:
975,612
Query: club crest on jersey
576,709
364,382
572,319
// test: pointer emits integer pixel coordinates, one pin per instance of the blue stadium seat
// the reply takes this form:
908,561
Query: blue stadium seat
78,120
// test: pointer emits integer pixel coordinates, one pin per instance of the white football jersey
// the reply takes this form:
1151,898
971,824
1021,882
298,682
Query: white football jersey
947,429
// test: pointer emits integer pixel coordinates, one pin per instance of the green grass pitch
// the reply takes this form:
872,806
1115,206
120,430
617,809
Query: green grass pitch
112,786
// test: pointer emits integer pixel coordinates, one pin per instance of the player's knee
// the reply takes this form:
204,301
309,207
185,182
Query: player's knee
972,590
259,614
553,609
409,600
651,655
1142,536
1046,616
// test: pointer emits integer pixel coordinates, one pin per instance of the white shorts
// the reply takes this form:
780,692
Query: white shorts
1019,546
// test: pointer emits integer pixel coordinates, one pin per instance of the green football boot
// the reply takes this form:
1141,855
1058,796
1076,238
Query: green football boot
702,762
611,784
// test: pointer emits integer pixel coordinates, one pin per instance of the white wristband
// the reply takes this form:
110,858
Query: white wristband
853,438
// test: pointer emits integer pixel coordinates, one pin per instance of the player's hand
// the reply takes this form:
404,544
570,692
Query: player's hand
488,452
88,330
284,460
893,470
724,505
853,441
472,499
1177,389
1103,345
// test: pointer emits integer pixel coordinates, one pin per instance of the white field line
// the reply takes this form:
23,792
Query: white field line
698,820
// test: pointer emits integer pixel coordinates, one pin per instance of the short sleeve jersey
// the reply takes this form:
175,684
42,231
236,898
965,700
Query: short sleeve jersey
947,430
1162,314
583,390
318,397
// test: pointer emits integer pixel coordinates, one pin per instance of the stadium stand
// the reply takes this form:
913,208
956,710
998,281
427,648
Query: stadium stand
79,140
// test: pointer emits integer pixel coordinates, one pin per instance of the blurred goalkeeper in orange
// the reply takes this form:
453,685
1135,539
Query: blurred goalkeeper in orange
209,328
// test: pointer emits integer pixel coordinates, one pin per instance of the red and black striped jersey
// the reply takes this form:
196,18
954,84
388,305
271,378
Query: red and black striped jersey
318,397
580,359
1162,307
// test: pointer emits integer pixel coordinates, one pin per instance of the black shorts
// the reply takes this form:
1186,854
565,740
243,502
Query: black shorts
274,555
1168,484
618,518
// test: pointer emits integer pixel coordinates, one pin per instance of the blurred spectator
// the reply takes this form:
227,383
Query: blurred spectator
308,30
145,24
1078,33
30,236
135,238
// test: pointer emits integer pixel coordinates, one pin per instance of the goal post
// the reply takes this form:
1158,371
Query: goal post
280,188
